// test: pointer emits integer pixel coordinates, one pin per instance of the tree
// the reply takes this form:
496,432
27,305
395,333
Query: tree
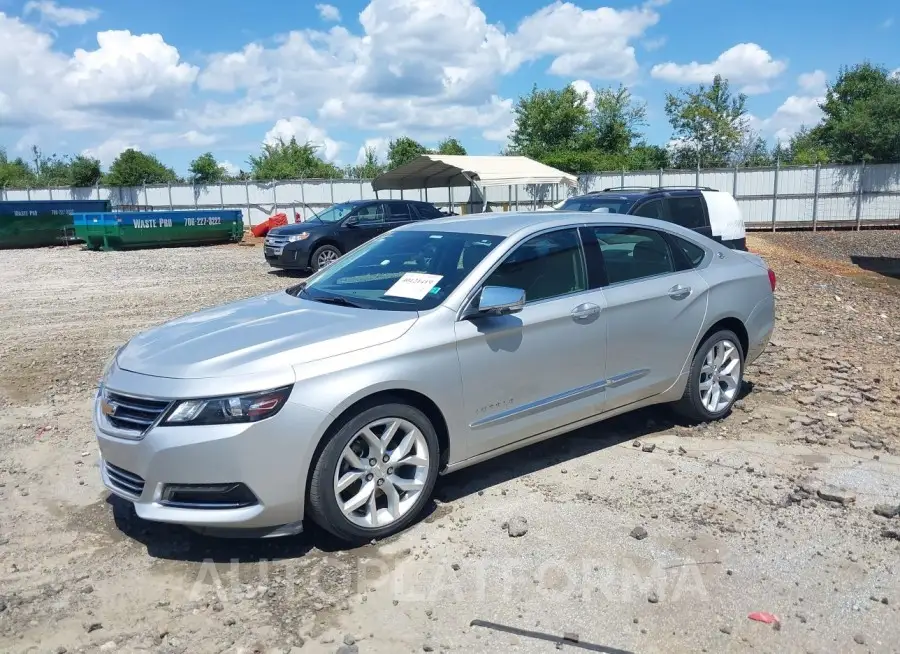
552,124
133,168
290,160
450,146
647,157
708,124
616,117
206,170
403,150
85,171
15,173
753,152
370,168
862,116
804,149
50,171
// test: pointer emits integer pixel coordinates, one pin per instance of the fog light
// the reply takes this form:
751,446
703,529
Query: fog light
208,496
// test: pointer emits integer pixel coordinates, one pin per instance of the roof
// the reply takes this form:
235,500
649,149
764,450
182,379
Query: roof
381,201
441,171
508,223
632,192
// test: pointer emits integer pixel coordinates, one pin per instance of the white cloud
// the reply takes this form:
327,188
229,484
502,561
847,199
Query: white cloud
888,23
51,12
654,44
587,43
426,68
745,64
380,145
135,139
305,132
896,73
798,110
128,78
329,12
813,83
230,168
583,86
128,67
108,150
420,66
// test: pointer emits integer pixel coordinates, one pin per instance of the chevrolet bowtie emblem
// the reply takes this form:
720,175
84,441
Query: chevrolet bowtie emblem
108,408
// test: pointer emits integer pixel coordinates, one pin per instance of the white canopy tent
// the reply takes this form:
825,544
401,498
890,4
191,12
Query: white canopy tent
442,171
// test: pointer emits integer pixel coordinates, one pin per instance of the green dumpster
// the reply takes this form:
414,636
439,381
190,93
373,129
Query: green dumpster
121,230
37,223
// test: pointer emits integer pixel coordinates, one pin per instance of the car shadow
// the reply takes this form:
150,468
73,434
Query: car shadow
887,266
173,542
288,274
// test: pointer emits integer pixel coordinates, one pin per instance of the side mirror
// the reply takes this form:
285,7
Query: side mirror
499,301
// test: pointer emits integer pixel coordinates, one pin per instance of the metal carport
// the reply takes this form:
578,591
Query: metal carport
443,171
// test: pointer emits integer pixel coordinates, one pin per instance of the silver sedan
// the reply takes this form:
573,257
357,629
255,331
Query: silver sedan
435,346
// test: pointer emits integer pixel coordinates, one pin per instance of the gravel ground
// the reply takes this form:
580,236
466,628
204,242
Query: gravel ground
840,245
638,534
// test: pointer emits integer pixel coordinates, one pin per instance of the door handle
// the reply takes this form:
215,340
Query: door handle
586,310
679,292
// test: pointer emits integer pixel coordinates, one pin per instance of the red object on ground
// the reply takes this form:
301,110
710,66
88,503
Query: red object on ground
278,220
297,217
261,229
762,616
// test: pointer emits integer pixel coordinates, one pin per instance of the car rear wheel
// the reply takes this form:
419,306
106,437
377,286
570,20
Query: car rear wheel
715,380
375,475
324,256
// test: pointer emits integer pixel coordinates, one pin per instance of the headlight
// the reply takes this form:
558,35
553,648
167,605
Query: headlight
302,236
251,407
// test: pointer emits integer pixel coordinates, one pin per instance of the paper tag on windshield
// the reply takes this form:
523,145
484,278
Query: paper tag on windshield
414,286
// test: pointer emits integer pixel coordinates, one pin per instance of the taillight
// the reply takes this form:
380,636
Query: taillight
772,280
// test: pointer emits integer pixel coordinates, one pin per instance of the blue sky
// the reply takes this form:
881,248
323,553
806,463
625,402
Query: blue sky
179,79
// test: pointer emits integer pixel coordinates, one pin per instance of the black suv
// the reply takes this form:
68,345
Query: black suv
707,211
320,240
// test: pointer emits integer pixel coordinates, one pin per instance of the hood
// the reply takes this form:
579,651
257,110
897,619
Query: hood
296,228
258,335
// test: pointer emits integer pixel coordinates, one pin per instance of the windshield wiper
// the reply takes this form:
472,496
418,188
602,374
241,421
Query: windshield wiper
339,301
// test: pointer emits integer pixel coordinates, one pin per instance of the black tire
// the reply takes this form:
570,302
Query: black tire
690,406
317,255
322,501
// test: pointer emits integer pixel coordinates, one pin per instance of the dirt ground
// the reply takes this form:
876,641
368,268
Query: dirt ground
641,535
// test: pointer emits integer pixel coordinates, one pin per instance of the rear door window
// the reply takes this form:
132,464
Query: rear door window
651,209
633,253
687,211
398,212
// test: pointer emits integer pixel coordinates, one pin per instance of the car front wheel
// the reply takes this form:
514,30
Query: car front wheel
324,256
717,373
376,474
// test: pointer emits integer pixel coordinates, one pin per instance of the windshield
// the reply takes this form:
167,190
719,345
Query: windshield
614,205
335,213
399,271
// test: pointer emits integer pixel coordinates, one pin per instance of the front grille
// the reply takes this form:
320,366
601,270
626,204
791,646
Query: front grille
124,481
135,414
276,241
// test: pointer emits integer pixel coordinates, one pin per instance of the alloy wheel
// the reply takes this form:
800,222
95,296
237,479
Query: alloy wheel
326,258
720,376
381,472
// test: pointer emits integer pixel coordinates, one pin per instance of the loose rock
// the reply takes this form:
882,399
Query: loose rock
887,510
838,495
517,527
638,533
